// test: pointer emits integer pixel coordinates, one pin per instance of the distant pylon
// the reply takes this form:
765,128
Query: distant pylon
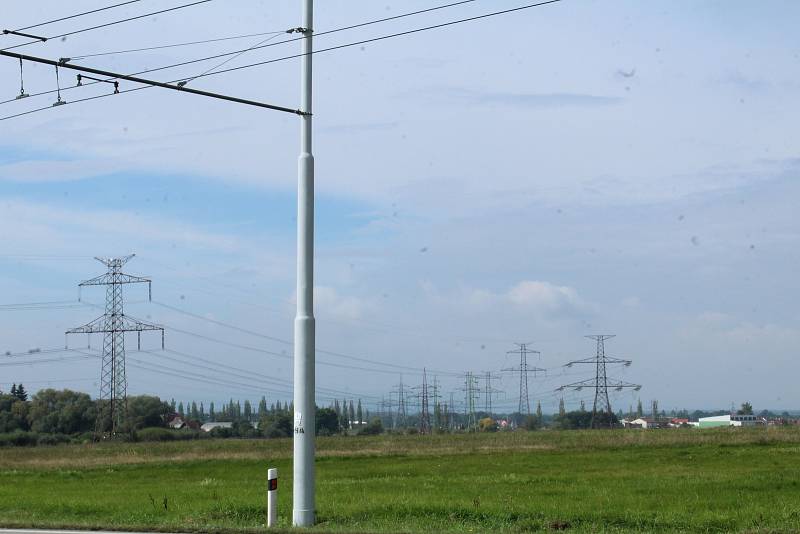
488,391
401,416
470,396
113,405
601,382
425,414
523,370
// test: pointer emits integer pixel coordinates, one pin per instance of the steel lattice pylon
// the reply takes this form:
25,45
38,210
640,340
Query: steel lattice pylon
113,399
523,370
601,382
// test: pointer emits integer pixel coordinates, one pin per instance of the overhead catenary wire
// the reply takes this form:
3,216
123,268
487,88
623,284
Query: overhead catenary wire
261,63
78,57
76,15
113,23
316,35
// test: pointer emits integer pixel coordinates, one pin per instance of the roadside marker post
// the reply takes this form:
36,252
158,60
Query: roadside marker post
272,497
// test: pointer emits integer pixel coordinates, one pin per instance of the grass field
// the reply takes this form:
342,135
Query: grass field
725,480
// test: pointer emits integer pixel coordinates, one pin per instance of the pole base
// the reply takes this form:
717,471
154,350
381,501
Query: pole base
303,518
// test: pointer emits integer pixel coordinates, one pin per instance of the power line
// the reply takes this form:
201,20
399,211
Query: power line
116,76
289,343
107,24
294,56
174,45
208,58
77,15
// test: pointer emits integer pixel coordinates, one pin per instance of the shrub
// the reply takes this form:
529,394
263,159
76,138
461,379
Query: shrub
155,434
18,438
373,428
52,439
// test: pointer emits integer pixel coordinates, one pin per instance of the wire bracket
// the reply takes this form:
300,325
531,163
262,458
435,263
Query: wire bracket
298,30
82,76
11,32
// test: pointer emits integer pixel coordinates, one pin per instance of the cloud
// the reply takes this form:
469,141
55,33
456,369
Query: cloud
545,297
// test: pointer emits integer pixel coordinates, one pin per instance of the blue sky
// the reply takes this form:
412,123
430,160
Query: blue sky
579,168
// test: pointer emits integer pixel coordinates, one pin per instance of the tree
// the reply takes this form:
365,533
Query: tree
180,408
639,410
211,415
539,411
13,414
655,409
746,409
583,406
487,424
21,394
532,422
146,411
195,412
262,407
61,412
327,422
351,414
248,410
373,428
277,425
561,408
359,413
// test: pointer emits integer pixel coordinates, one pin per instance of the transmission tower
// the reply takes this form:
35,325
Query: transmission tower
471,392
425,414
601,382
113,405
401,415
523,370
489,391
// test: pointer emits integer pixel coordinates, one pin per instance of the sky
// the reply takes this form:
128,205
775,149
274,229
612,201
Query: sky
584,167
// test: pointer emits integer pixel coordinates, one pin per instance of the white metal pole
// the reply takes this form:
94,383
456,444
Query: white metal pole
304,416
272,497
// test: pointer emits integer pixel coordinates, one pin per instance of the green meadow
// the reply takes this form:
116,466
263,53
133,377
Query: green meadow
722,480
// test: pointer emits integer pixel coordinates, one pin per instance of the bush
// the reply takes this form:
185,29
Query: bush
155,434
373,428
18,439
221,432
52,439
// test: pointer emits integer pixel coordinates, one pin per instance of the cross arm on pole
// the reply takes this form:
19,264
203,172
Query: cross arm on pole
163,85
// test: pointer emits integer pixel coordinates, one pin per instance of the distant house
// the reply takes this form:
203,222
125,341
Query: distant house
208,427
646,423
677,422
731,420
176,422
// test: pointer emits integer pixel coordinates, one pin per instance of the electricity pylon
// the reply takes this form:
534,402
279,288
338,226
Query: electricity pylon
523,370
401,415
489,391
425,414
471,392
601,382
113,405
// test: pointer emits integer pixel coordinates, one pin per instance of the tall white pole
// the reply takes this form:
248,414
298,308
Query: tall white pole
304,408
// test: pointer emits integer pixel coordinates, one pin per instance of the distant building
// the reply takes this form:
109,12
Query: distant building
176,422
208,427
646,423
731,420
